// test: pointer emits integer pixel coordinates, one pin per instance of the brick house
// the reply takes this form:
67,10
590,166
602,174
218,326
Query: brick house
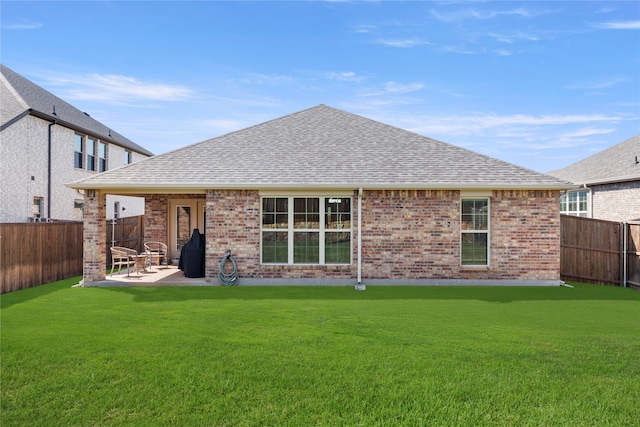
325,196
45,143
609,184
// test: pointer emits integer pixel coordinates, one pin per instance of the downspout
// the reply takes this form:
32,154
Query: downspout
53,123
625,244
590,201
359,285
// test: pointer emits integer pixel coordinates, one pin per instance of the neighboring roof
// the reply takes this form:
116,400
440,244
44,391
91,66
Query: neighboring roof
319,148
620,163
21,97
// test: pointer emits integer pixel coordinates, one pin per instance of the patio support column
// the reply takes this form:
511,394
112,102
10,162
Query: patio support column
95,230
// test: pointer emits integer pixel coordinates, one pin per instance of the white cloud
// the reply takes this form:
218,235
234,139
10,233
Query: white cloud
497,124
584,132
602,84
516,37
395,87
503,52
521,11
347,76
479,14
457,49
117,88
404,43
260,79
25,25
363,29
619,25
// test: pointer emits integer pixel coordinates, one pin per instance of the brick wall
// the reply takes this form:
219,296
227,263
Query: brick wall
95,229
525,235
617,202
406,235
156,208
410,234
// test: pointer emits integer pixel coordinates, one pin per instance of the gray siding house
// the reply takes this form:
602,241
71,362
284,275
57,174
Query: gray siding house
325,196
609,184
44,143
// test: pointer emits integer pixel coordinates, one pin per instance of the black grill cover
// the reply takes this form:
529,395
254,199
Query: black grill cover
192,256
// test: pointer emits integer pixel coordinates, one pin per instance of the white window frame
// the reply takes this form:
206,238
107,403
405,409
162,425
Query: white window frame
322,230
92,163
102,160
78,155
564,199
487,231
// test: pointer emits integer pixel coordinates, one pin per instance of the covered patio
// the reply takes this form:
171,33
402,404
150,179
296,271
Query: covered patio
154,276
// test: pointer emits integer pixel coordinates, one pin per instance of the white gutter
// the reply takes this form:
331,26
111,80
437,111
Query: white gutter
589,200
203,187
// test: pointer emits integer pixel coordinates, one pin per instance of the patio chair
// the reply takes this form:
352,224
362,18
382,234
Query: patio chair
122,257
157,251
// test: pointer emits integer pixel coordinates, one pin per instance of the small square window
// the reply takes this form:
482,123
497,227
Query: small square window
38,203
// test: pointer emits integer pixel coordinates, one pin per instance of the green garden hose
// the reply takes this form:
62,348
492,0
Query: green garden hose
228,279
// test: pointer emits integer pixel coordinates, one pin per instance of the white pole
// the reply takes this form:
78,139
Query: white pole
625,243
360,235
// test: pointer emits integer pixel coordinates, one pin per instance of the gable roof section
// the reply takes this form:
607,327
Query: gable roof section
615,164
319,148
21,97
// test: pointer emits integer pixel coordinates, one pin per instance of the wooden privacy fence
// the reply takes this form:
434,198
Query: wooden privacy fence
126,232
597,251
35,253
32,254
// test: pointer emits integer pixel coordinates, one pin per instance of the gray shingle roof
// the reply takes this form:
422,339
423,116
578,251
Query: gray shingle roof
322,148
21,97
615,164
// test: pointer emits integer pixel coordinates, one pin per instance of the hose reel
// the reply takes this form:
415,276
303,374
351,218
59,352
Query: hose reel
228,276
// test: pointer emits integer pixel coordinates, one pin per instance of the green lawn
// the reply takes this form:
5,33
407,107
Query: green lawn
295,356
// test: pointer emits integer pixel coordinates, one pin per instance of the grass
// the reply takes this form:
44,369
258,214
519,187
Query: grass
295,356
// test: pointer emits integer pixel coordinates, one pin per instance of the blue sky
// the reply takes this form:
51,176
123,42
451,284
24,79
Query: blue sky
539,84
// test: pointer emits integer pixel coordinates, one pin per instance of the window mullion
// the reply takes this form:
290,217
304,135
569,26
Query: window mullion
290,231
321,224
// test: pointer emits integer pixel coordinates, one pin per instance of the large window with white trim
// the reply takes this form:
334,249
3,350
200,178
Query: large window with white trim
475,222
574,203
306,230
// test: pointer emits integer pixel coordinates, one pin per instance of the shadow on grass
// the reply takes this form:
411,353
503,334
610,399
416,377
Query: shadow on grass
488,294
500,294
23,295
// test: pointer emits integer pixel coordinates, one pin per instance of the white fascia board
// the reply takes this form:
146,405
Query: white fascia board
196,188
608,181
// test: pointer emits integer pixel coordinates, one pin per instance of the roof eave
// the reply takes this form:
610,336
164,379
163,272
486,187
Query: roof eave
608,181
201,188
105,138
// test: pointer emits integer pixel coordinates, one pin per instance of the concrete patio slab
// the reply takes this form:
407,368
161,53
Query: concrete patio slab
154,276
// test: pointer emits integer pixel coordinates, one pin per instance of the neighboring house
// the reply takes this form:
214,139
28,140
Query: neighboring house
325,196
44,143
609,184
